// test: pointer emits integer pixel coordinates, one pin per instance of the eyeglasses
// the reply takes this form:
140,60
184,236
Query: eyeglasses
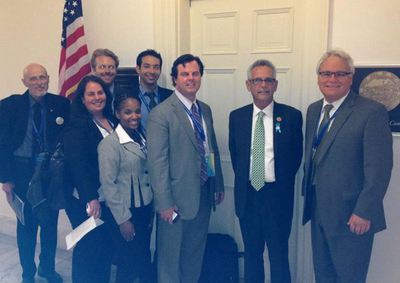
338,74
259,81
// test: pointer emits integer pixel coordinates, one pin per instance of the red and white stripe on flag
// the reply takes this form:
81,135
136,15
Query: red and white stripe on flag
74,57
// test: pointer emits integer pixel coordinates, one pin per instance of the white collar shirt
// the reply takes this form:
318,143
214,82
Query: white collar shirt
188,104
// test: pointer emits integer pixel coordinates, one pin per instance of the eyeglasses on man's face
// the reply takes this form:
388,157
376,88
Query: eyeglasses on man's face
259,81
337,74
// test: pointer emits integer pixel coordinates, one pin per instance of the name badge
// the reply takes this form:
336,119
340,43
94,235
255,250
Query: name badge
210,160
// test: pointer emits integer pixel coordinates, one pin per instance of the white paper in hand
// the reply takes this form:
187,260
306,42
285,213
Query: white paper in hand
79,232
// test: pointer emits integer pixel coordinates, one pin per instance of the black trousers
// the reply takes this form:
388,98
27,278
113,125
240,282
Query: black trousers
27,234
91,257
261,226
133,259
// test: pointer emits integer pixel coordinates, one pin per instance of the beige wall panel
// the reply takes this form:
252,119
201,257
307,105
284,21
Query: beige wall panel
273,30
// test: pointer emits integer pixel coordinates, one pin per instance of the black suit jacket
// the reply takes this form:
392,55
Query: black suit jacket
81,139
288,150
14,114
164,93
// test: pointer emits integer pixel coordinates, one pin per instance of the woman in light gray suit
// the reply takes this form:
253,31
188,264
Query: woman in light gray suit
125,187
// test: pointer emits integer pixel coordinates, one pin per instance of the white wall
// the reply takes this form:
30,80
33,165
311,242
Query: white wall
369,31
31,31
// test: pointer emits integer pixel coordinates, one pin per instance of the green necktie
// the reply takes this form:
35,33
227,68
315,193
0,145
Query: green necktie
258,154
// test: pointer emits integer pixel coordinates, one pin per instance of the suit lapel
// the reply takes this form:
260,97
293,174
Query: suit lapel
276,135
245,132
50,114
207,119
179,111
342,115
24,111
312,126
134,148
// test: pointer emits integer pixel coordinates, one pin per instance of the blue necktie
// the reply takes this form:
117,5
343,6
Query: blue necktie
152,97
200,143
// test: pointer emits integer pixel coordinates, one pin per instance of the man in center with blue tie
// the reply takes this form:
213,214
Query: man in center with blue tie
185,173
265,143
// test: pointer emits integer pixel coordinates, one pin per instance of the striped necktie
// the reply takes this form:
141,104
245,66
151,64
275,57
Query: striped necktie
200,143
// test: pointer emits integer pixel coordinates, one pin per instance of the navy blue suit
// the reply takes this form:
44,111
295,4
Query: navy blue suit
274,202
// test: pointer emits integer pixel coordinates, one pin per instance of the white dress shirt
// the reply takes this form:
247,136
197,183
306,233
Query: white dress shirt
336,104
188,104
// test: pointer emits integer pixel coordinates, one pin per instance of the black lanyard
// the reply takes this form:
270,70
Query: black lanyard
141,140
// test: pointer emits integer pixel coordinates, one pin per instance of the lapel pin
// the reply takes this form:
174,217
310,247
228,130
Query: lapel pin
278,124
59,121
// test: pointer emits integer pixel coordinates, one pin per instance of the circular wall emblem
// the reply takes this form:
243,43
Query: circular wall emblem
383,87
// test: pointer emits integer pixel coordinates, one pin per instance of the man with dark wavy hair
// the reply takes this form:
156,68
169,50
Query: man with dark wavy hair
185,173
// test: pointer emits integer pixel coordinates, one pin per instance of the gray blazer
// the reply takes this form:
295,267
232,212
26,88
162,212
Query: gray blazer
174,160
352,166
122,166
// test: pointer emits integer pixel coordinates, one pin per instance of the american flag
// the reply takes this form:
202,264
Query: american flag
74,58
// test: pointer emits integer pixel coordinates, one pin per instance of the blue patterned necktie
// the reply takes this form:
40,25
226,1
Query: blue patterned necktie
152,97
323,126
258,162
200,143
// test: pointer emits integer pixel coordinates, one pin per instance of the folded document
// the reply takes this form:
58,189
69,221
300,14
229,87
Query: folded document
17,205
79,232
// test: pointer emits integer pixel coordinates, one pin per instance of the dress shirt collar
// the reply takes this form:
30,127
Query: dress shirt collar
123,135
32,101
184,100
336,104
143,91
268,111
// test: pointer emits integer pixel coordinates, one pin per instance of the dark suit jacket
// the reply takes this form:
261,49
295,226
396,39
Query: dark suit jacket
351,167
81,139
288,150
164,93
174,160
118,90
14,114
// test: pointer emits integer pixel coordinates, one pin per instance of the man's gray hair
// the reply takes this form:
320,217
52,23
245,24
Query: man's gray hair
337,53
261,63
